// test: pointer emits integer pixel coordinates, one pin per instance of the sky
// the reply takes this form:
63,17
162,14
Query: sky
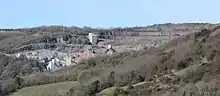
106,13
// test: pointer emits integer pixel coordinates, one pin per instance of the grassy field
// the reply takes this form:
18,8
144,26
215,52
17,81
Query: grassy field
57,89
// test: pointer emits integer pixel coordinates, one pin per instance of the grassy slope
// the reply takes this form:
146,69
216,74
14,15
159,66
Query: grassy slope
55,89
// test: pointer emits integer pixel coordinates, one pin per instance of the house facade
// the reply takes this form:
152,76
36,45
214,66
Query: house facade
93,38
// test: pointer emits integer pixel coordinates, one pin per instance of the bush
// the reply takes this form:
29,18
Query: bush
8,86
19,81
82,40
92,89
12,67
185,62
120,92
112,79
202,33
87,90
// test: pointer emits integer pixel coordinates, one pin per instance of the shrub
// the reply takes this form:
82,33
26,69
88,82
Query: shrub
86,90
165,56
131,77
202,33
19,81
120,92
92,89
12,67
8,86
111,79
185,62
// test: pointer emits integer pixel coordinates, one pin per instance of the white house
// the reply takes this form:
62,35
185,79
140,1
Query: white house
109,46
110,50
50,66
18,55
54,64
93,38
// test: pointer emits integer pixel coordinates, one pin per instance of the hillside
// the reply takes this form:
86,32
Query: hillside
45,90
186,65
35,42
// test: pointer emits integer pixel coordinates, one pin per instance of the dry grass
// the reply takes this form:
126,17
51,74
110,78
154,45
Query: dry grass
56,89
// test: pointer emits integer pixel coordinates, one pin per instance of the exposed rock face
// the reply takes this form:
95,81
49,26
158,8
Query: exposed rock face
55,60
34,47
